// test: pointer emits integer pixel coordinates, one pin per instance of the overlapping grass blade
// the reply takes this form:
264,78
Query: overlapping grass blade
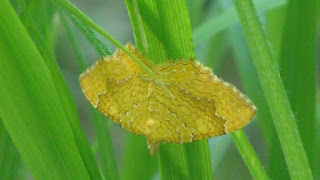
99,46
274,26
274,90
43,44
31,109
109,167
298,64
41,14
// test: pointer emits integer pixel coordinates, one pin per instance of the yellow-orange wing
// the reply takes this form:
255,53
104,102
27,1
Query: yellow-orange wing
115,86
187,103
199,105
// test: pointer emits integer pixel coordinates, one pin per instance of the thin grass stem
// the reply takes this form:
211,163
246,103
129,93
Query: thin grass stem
272,85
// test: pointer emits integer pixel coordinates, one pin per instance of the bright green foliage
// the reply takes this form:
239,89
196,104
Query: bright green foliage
31,109
60,84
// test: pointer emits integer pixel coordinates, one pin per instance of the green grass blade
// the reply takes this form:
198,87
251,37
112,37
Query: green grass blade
75,46
63,91
168,162
31,109
137,163
161,36
252,86
167,34
196,11
249,155
10,161
173,163
318,118
69,8
274,90
298,64
41,12
100,47
226,19
239,137
136,147
109,167
135,18
275,19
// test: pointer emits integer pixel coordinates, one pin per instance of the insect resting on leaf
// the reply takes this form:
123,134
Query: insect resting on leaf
187,102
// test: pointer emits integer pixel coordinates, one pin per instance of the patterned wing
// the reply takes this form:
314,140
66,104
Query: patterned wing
180,117
115,87
202,105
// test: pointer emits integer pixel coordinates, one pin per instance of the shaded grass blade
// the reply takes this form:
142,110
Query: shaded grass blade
31,109
10,161
61,87
275,19
196,11
109,167
298,65
137,163
274,90
41,13
100,47
135,19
